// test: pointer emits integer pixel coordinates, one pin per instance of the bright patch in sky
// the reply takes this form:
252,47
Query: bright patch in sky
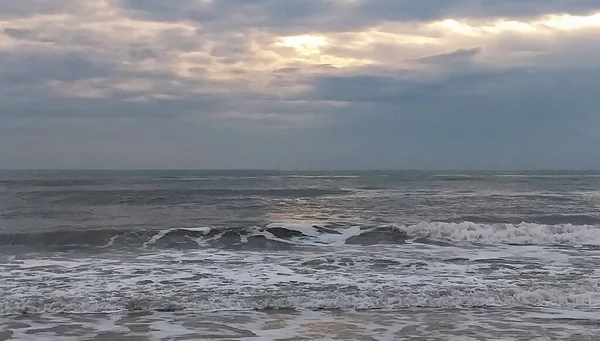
305,44
571,22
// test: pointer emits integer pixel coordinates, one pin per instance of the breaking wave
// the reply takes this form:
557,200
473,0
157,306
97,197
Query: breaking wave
291,235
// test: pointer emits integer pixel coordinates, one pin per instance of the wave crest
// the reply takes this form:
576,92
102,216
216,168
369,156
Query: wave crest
290,235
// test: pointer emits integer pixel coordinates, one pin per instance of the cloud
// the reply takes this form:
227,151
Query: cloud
342,15
300,83
25,8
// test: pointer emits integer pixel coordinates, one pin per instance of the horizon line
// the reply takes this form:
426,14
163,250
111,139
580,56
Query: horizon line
315,169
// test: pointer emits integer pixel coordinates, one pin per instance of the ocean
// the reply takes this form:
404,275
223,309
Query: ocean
281,255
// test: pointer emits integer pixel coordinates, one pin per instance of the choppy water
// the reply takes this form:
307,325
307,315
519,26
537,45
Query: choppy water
174,255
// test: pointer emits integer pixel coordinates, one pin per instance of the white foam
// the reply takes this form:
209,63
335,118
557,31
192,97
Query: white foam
524,233
162,233
203,229
349,277
253,232
339,276
110,242
312,235
427,296
157,236
520,234
41,263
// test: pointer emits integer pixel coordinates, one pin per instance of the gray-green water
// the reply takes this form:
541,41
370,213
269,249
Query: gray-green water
175,255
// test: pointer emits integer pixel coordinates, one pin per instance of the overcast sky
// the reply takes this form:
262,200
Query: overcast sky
301,84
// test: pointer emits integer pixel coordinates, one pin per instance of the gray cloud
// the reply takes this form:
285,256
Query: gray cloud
401,86
523,119
329,15
208,86
38,67
436,9
232,14
452,58
23,8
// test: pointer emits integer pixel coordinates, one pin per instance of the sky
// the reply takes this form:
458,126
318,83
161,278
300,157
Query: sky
300,84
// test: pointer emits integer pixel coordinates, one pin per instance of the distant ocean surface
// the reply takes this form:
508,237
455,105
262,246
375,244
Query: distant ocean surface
273,255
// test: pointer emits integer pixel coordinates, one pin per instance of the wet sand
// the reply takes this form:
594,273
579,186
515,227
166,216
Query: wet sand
414,324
